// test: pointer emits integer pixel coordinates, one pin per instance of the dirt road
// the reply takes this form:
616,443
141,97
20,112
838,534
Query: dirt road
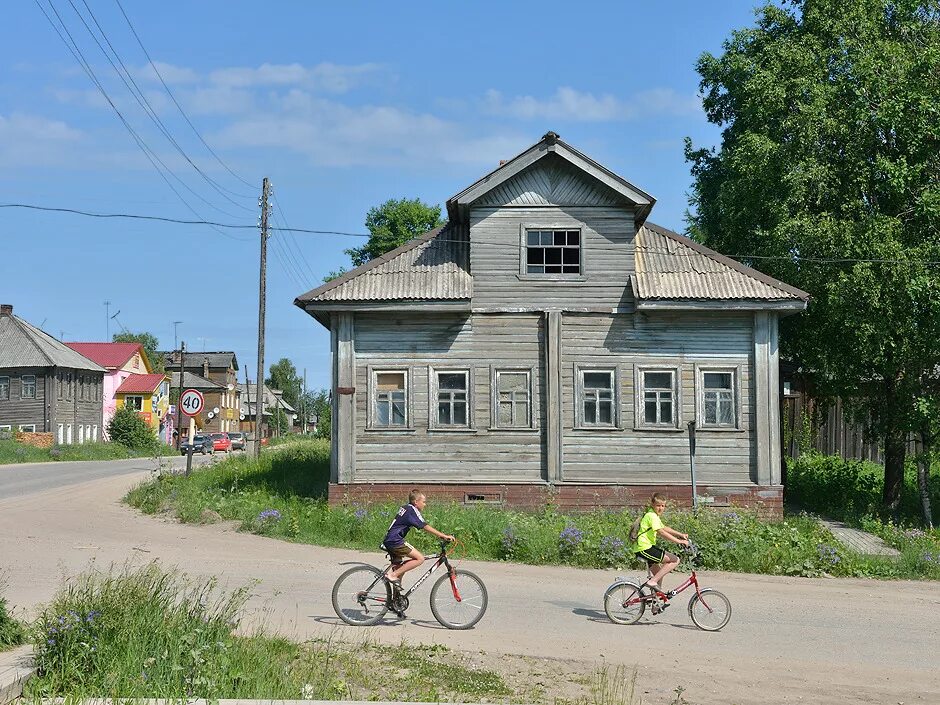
790,640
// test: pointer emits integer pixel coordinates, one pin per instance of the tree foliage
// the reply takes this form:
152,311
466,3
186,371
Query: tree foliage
127,428
394,223
317,406
284,377
150,343
829,172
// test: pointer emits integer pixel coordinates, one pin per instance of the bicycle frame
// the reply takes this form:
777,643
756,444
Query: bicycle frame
689,582
440,559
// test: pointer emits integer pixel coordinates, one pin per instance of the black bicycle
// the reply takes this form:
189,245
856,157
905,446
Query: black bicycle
362,595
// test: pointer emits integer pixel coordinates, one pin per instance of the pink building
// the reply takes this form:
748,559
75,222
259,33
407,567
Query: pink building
121,360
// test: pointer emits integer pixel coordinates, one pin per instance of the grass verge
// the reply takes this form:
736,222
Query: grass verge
149,633
11,630
282,495
13,452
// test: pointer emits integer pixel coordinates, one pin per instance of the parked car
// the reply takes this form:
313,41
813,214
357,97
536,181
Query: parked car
200,444
221,441
238,440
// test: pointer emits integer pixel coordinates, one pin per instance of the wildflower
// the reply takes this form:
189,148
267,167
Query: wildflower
360,513
914,534
828,554
613,550
308,692
731,518
269,515
570,538
510,540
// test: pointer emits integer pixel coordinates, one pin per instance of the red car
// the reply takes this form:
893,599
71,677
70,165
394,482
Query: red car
221,441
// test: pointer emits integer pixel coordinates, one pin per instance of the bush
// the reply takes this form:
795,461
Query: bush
11,631
131,431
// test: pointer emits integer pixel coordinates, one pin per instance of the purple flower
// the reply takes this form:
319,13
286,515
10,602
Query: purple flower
510,540
828,554
569,539
271,515
361,513
731,518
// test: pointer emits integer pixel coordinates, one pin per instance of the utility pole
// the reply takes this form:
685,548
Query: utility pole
179,407
107,321
175,324
303,403
262,289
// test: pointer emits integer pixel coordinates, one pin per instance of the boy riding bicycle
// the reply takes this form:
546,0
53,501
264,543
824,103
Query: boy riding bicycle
404,556
659,561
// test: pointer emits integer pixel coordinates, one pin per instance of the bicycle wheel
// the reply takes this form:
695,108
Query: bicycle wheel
360,596
623,604
460,613
709,610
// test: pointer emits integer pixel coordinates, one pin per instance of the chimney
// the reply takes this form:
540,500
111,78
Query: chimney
177,357
6,309
205,367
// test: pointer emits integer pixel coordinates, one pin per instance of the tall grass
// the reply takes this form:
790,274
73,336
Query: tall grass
283,495
13,452
11,631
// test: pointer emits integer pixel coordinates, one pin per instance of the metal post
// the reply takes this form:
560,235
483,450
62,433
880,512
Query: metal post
692,463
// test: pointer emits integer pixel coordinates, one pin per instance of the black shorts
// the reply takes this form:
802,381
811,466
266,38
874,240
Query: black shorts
653,554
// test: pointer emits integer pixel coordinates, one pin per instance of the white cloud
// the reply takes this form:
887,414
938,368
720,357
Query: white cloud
170,73
571,104
333,78
32,140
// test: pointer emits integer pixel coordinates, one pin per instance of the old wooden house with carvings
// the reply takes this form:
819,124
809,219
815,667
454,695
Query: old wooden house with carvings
550,341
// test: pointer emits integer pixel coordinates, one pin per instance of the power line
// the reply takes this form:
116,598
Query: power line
153,65
151,156
142,101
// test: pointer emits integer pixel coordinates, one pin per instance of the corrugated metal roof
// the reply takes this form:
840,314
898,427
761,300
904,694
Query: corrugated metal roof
670,266
24,345
109,355
222,359
191,381
140,384
434,266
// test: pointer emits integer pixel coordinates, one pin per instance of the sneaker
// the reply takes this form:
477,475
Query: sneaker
671,594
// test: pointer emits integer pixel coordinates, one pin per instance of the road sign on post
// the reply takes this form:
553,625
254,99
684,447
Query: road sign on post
191,402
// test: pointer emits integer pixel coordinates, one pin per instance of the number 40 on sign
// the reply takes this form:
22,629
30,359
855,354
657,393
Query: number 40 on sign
191,402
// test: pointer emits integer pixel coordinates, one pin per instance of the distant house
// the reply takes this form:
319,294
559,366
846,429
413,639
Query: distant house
45,386
273,399
149,396
211,391
220,368
123,361
550,343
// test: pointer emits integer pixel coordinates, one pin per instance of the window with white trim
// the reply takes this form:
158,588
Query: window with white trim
94,433
452,396
513,399
6,427
553,251
718,398
390,405
81,434
28,427
68,434
4,388
658,402
134,402
61,434
28,388
597,397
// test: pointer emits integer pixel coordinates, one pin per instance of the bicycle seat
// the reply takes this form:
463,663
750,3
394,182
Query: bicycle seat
394,560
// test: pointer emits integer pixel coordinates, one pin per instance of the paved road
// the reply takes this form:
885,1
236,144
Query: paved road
790,640
27,478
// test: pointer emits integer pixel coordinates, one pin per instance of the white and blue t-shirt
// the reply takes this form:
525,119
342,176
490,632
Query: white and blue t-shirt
408,516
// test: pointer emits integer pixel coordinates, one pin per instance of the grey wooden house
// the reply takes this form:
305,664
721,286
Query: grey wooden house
550,342
45,386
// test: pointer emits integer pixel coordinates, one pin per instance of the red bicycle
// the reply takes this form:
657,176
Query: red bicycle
362,595
625,601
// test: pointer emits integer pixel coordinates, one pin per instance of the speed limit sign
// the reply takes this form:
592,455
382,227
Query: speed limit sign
191,402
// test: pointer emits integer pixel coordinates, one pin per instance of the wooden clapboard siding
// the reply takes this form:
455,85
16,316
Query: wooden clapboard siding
675,341
17,411
496,252
448,341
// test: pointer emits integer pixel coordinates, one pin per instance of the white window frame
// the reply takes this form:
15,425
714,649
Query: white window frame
60,437
5,385
23,387
433,392
94,433
579,370
134,396
81,434
6,427
68,434
735,372
640,370
372,417
27,428
531,422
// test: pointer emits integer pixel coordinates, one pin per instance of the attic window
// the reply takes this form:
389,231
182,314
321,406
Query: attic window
553,252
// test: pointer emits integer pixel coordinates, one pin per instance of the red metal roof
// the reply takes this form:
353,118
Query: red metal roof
140,384
108,355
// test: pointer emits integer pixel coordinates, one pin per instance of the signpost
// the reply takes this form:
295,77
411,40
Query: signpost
191,403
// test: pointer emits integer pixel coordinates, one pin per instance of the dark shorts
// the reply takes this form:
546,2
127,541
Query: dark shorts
399,552
653,554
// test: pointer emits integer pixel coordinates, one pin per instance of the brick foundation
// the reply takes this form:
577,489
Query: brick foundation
569,497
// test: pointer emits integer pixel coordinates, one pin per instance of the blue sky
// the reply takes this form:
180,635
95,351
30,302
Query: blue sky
342,106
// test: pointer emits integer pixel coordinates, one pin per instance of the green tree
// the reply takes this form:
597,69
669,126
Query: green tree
317,406
131,431
828,177
280,421
150,343
392,224
284,377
